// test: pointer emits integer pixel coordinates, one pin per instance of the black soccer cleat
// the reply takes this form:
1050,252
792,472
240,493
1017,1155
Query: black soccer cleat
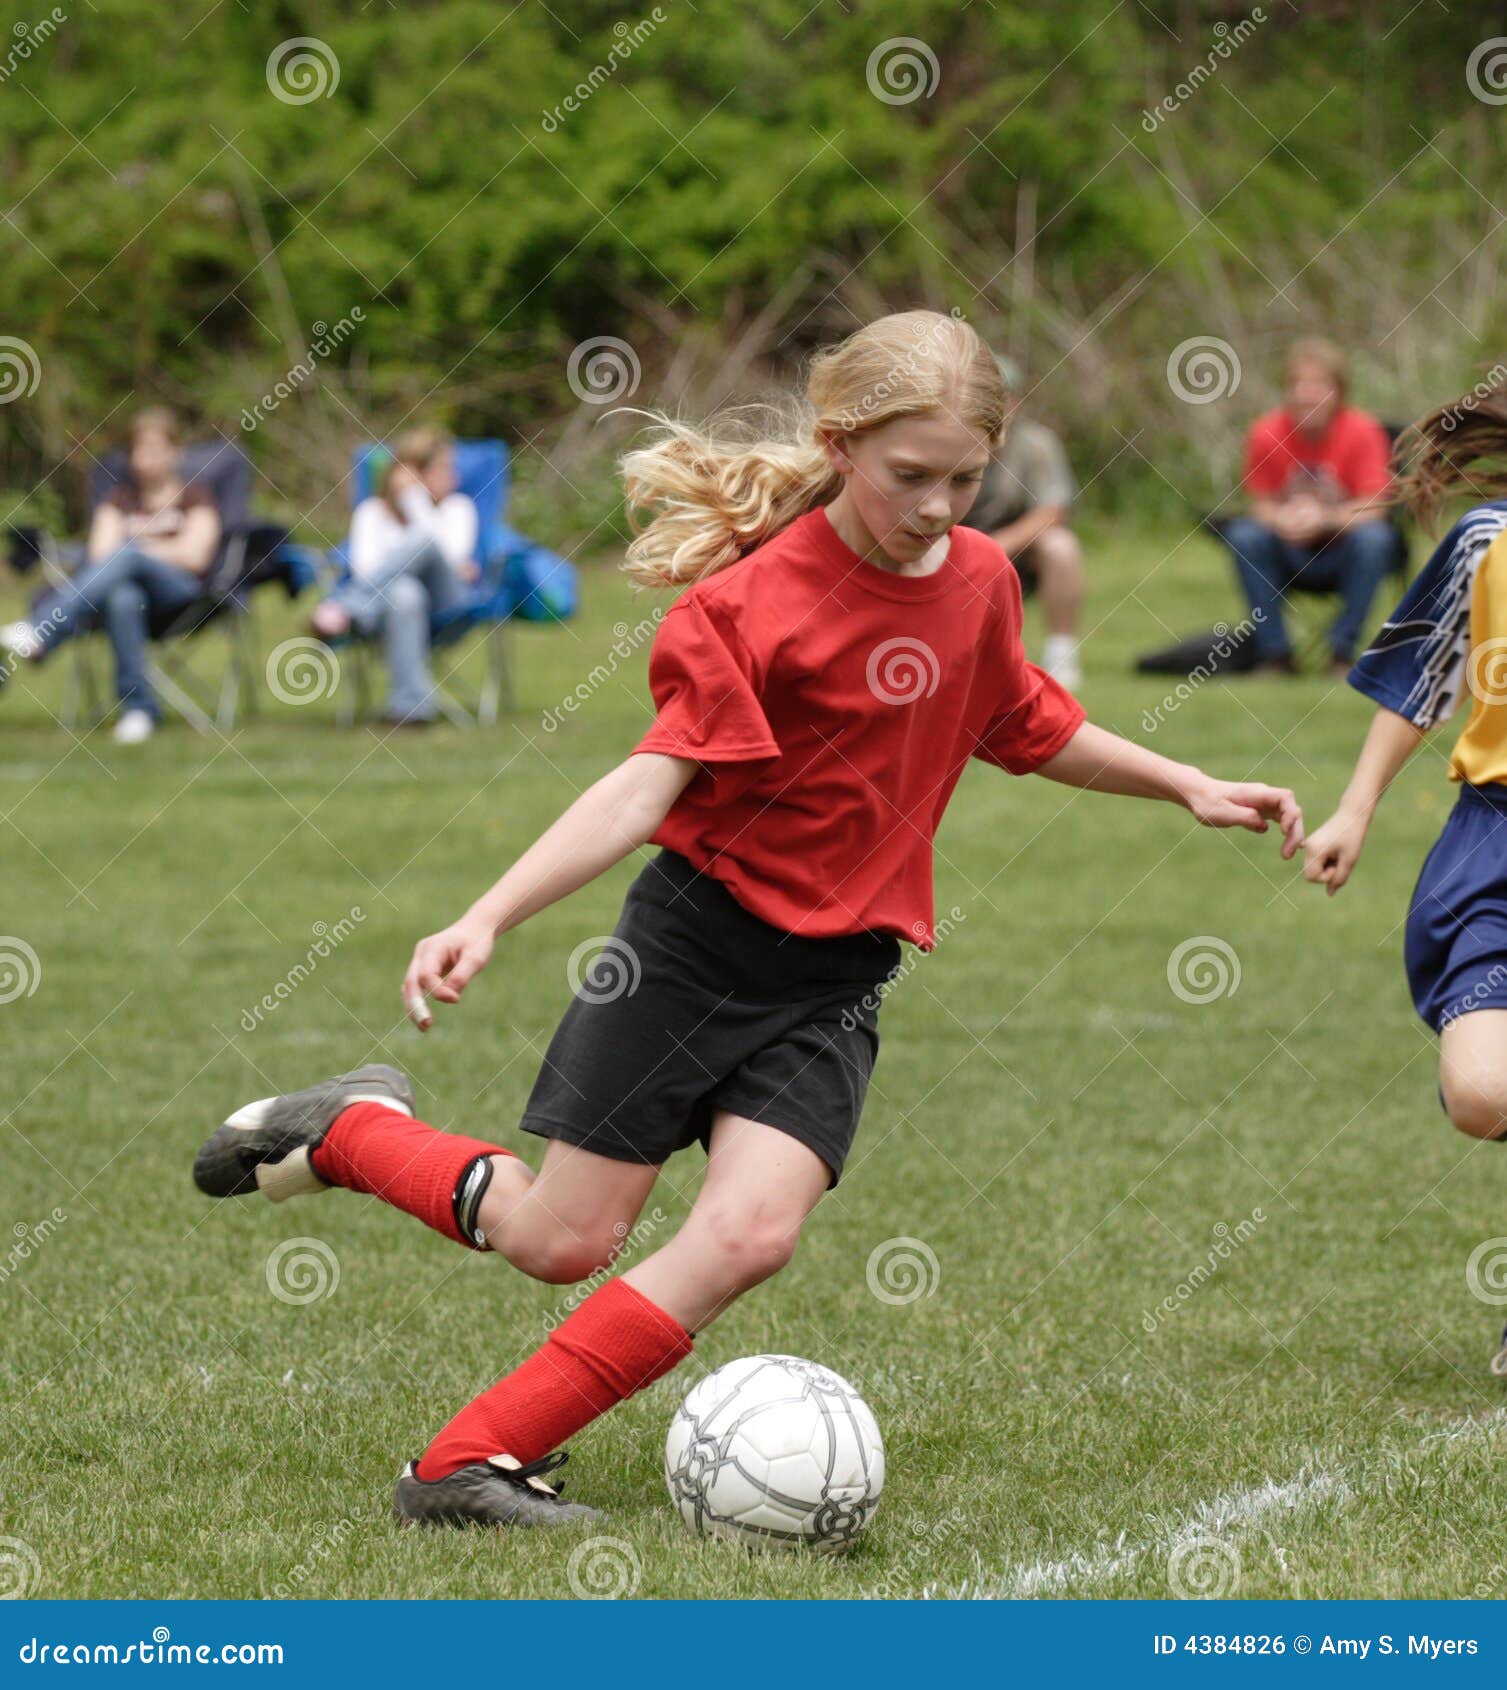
1499,1362
266,1145
496,1492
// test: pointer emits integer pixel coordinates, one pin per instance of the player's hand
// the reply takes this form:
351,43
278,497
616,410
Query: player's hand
1236,803
443,966
1331,852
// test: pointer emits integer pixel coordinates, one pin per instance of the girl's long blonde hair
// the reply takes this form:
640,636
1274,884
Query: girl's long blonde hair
714,491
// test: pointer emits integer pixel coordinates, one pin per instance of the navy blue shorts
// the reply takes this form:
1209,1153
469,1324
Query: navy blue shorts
1456,943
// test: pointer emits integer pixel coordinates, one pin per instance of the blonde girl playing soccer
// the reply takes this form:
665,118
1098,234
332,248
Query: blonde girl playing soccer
841,648
1446,642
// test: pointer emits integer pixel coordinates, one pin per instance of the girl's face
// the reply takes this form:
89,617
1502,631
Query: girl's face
154,458
910,480
439,475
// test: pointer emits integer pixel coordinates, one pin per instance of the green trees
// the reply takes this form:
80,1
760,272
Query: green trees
193,203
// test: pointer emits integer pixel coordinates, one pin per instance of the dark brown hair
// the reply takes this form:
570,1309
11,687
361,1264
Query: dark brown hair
1461,447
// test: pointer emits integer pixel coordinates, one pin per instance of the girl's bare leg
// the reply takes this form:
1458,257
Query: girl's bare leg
760,1185
1473,1072
563,1223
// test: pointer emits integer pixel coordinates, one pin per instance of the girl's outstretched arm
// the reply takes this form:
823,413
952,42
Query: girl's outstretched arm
1101,761
1332,851
617,815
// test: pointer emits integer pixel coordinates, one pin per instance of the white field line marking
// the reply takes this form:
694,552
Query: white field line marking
1230,1513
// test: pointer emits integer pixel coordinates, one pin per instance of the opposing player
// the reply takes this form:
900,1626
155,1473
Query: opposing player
842,648
1446,643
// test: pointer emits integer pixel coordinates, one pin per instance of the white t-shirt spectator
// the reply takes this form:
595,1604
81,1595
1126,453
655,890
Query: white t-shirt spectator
452,523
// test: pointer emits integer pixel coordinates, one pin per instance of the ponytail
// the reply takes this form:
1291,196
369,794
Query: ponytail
1461,446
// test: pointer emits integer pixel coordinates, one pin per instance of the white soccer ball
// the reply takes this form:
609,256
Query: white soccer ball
775,1452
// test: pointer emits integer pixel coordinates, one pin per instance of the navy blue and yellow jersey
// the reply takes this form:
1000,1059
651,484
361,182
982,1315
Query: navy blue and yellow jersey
1448,638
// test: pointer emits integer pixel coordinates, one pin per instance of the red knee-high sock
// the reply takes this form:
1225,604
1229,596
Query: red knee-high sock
387,1154
614,1344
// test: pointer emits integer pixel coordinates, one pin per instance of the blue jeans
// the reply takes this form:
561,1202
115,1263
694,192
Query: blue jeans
1353,564
412,584
121,593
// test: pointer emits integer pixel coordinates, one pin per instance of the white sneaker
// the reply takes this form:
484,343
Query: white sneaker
1059,657
21,638
133,727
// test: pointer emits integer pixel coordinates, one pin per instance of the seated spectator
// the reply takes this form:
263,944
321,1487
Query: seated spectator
412,550
151,544
1023,502
1319,482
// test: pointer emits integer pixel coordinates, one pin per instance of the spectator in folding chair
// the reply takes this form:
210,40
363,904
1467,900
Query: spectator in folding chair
152,542
1318,474
412,555
1023,504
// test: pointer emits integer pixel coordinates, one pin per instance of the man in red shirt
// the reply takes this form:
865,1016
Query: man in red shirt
1318,475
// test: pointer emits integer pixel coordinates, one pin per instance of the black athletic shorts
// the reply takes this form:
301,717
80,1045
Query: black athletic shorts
695,1005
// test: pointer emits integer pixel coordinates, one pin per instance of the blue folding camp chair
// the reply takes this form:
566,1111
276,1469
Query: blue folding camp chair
519,580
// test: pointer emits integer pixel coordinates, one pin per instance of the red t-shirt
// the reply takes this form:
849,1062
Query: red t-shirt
1347,461
834,705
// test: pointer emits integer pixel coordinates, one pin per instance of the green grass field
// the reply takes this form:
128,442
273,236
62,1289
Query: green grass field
1060,1129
